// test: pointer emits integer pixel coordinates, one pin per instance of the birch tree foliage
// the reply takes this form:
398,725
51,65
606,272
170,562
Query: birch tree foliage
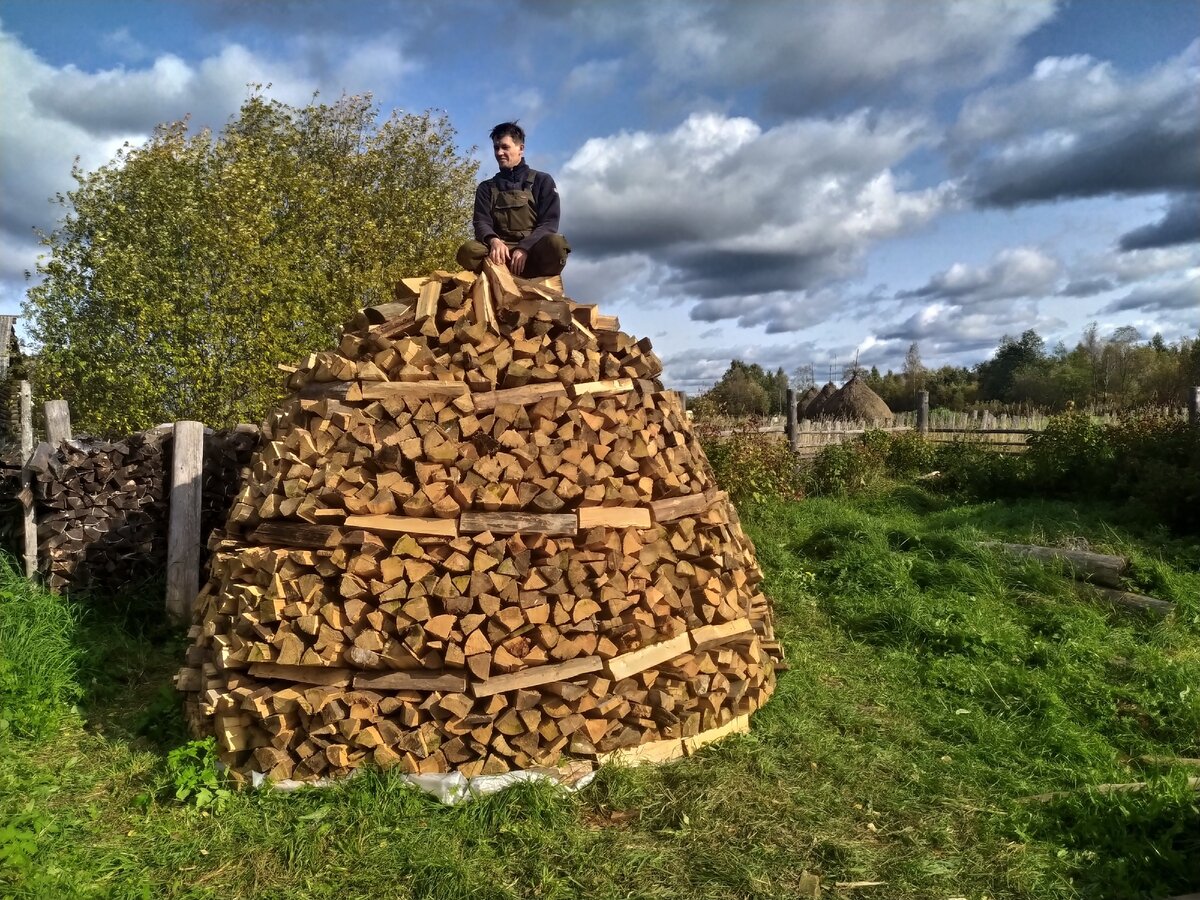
185,270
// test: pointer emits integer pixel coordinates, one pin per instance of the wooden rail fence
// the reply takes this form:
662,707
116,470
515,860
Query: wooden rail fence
1004,432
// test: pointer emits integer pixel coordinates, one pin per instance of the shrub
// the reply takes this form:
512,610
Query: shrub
1158,462
971,468
38,660
850,467
908,454
1072,452
753,466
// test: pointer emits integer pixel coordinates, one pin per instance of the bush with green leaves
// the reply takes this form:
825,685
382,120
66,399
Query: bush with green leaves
1071,452
1158,461
38,659
752,466
909,454
184,271
192,776
843,469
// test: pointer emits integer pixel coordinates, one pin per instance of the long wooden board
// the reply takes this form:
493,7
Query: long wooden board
404,525
639,660
614,517
382,390
289,533
328,676
518,523
412,681
535,675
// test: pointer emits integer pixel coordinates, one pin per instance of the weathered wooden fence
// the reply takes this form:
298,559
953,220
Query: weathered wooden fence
1005,432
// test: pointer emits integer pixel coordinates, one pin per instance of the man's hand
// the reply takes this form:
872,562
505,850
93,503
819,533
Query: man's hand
516,262
499,253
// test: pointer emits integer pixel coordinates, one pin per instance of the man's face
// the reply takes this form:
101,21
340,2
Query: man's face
508,153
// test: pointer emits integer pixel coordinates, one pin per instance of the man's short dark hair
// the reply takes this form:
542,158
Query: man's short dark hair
508,129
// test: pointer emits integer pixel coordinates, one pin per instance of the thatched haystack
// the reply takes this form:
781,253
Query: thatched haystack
805,399
856,401
816,406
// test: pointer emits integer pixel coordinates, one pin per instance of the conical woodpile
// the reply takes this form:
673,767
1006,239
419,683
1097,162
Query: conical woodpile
480,537
856,401
816,406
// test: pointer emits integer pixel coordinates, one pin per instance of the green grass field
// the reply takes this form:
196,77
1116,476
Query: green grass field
934,687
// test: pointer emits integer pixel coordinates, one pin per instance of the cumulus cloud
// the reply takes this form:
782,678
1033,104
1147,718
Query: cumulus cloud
1100,273
800,56
1014,272
1078,128
596,76
1177,295
1180,224
742,216
946,329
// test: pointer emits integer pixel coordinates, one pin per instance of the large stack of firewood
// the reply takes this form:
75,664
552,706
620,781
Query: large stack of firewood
101,505
479,536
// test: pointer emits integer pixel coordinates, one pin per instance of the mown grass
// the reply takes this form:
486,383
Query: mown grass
934,686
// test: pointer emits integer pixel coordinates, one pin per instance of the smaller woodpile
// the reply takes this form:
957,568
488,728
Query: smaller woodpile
856,401
100,509
816,406
101,505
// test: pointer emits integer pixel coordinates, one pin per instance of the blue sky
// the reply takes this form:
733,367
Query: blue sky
785,183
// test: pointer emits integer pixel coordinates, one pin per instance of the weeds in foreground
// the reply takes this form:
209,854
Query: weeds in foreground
39,660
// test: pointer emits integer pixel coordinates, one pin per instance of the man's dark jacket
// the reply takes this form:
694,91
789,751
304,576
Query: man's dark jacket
545,201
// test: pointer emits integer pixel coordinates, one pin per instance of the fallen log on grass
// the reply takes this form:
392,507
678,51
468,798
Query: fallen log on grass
1097,568
1131,787
1170,760
1127,600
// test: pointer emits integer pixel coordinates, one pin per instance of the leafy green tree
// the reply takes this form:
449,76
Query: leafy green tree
740,391
184,271
998,374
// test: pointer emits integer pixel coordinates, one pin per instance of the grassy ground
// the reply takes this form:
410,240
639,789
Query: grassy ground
934,685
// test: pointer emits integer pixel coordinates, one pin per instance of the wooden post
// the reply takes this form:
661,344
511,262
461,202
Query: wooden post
1194,406
58,422
923,412
682,400
30,548
791,418
183,533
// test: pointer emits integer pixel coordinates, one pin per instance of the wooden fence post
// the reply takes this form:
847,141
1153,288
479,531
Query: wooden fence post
792,437
58,422
183,532
1194,406
30,545
923,412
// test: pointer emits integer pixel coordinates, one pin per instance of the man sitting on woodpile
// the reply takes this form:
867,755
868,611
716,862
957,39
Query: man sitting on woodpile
516,214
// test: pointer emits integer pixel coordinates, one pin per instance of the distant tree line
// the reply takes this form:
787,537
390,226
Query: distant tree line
1119,371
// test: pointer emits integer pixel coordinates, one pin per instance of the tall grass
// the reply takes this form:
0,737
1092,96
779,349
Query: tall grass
38,656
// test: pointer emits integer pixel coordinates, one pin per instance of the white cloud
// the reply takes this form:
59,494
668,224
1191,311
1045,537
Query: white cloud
801,55
1076,127
1173,297
750,221
122,100
1014,272
596,76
